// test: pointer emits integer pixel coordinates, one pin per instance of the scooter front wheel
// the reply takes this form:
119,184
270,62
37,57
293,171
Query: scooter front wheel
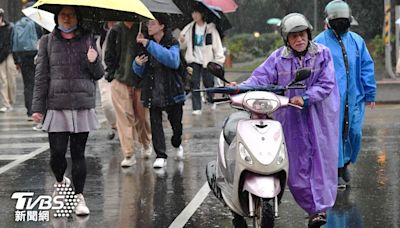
264,214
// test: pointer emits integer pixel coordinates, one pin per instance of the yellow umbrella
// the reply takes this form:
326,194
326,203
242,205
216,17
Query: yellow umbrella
100,10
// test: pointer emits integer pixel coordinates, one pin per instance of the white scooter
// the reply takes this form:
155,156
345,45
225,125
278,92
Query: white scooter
251,170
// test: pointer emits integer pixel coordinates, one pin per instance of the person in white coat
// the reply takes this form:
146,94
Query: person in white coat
202,44
104,85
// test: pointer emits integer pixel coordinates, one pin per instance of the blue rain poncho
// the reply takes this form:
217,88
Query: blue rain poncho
361,88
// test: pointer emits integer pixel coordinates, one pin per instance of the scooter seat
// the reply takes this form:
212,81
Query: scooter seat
230,125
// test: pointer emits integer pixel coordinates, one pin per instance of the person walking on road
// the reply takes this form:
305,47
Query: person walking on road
311,133
202,44
25,38
8,70
65,94
132,118
162,89
104,85
355,76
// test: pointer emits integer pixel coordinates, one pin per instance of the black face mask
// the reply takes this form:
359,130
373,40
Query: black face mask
340,25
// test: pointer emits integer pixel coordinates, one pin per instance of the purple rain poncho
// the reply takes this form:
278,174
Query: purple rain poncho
311,133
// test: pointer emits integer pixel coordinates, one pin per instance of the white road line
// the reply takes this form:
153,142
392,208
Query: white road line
10,156
23,158
16,129
22,145
23,136
18,123
189,210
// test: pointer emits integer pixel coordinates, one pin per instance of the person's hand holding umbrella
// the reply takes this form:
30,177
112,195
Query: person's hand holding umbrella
141,40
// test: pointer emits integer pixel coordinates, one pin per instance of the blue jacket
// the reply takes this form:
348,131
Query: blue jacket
361,88
161,79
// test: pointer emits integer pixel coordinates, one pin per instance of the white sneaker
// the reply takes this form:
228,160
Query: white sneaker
213,106
38,127
147,152
179,153
196,112
160,163
81,208
6,109
66,182
128,162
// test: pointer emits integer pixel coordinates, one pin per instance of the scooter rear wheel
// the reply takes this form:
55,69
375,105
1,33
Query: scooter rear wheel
264,214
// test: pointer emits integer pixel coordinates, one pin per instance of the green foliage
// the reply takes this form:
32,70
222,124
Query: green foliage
378,48
246,46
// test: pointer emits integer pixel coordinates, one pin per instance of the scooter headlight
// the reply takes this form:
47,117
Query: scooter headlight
281,154
263,106
244,154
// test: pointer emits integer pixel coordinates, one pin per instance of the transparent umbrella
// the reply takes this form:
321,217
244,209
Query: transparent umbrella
43,18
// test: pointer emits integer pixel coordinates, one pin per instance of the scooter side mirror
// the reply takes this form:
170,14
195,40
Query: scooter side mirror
217,70
301,74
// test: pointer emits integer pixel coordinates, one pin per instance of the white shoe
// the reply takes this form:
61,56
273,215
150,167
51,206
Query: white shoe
196,112
6,109
66,182
128,162
38,127
179,153
81,208
213,106
147,152
160,163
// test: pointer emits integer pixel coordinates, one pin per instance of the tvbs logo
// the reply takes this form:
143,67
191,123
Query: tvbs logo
25,201
63,201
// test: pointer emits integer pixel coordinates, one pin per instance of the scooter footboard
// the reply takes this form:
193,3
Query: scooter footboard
262,186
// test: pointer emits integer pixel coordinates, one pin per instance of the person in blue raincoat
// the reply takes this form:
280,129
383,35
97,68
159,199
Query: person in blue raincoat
354,69
311,134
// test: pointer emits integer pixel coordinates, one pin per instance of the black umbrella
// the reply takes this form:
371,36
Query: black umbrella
162,6
212,14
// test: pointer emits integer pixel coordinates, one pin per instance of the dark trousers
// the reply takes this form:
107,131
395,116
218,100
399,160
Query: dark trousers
157,131
28,77
200,73
58,163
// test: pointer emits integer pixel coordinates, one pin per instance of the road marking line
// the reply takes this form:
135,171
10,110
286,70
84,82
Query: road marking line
18,123
16,129
23,136
189,210
22,145
23,158
11,156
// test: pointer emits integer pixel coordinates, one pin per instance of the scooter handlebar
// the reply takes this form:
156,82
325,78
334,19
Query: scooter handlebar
243,89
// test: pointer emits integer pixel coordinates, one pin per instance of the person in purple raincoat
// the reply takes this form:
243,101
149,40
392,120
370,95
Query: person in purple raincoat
311,133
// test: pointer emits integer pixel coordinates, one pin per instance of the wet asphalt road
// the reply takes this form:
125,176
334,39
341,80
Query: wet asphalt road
140,197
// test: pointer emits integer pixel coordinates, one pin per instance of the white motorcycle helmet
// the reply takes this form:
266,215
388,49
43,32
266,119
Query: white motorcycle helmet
338,9
294,22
